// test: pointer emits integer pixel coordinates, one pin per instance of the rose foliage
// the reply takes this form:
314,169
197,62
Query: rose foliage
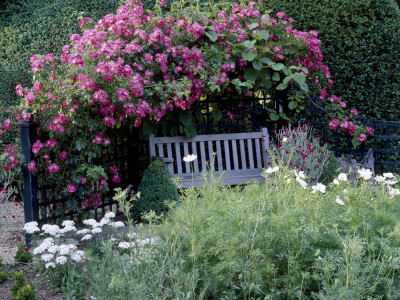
133,69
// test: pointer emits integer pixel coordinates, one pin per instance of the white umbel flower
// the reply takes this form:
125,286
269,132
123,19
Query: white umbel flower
90,222
68,223
61,260
31,227
47,257
190,158
97,230
50,264
83,231
86,237
109,215
117,224
124,245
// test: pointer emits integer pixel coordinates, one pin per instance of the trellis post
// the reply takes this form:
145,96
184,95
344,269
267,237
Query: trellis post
30,182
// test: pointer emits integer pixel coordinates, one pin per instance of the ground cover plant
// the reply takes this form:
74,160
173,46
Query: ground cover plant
282,239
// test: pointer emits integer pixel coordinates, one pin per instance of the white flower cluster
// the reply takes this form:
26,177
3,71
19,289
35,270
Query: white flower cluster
97,226
31,227
138,243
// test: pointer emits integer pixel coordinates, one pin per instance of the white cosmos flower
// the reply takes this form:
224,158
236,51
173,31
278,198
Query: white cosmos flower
301,174
318,188
86,237
50,264
339,201
393,192
61,260
109,215
388,175
345,191
342,177
302,182
365,173
380,179
190,158
288,180
284,140
391,182
335,181
272,170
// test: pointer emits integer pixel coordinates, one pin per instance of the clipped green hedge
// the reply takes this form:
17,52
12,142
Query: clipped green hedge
39,27
360,43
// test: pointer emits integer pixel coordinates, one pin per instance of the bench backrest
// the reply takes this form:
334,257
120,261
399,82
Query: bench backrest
233,152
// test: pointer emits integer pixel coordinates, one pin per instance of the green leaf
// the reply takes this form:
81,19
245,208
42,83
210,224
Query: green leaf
263,34
292,104
281,86
174,131
253,25
190,131
249,56
267,60
118,125
278,67
250,74
283,116
186,117
148,127
257,65
287,79
304,87
216,114
300,78
249,44
273,116
276,76
212,35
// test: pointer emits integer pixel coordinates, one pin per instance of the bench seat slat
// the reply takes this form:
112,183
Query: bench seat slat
210,137
235,155
243,155
196,161
227,155
219,156
178,158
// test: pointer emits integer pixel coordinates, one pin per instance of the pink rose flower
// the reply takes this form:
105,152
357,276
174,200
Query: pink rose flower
32,166
53,168
71,188
361,138
370,130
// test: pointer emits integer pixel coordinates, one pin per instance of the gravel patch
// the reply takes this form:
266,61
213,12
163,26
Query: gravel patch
11,229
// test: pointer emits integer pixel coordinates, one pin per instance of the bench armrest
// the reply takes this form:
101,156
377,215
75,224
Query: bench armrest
166,160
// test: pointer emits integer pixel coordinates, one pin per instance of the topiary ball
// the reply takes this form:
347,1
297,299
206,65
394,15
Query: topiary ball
155,188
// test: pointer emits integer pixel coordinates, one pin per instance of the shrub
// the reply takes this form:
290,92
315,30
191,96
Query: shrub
331,171
39,27
360,43
155,189
23,254
26,292
19,282
3,276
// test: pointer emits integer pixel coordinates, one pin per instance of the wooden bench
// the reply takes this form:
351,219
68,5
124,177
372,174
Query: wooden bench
241,157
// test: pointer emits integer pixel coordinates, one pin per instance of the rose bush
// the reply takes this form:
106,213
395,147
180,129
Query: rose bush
133,69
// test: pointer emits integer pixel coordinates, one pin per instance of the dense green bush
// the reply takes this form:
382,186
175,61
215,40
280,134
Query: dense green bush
155,188
361,45
38,27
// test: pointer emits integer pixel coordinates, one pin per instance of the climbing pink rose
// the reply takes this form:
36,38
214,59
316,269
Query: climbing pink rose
71,188
361,138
